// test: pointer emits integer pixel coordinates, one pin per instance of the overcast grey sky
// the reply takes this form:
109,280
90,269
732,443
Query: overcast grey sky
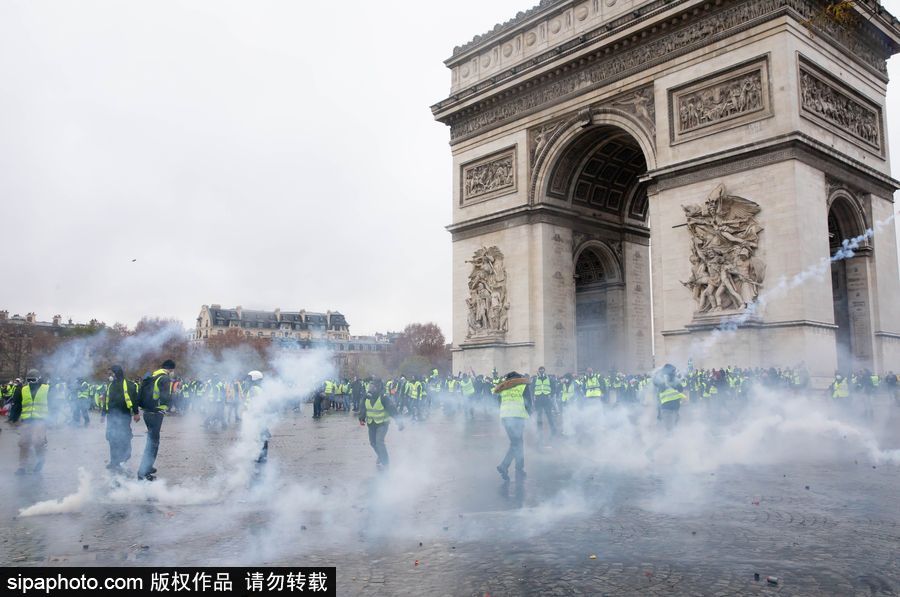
267,153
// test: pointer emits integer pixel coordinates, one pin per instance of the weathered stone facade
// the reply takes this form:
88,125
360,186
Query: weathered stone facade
583,132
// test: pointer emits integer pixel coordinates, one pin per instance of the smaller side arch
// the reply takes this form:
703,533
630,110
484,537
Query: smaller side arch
607,257
845,212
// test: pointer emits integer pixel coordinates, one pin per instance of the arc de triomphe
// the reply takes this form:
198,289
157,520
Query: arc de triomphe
741,140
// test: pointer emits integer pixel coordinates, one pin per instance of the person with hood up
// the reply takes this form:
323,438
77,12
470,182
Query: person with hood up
30,409
121,408
514,393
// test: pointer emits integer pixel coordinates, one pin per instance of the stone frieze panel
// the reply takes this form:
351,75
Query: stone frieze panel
829,103
722,101
489,177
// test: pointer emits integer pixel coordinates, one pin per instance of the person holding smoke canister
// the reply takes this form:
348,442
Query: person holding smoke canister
155,394
375,412
121,407
514,394
30,408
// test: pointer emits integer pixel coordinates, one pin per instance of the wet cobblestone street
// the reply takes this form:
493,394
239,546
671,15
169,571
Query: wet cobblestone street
441,522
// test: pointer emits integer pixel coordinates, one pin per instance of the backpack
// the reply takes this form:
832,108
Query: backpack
145,393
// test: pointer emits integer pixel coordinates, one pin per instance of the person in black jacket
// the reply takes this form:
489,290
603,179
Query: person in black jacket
156,392
121,407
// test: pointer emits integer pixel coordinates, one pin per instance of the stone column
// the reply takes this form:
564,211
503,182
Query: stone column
638,343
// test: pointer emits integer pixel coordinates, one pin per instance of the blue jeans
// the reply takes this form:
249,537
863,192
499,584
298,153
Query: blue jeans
154,423
515,429
377,433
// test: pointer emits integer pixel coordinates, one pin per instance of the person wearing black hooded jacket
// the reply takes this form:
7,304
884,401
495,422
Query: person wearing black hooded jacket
121,407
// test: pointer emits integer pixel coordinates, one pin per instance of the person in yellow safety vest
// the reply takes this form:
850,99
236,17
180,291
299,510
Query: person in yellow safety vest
121,408
338,402
514,394
467,391
81,407
542,389
234,401
348,395
567,390
217,396
329,394
375,412
414,392
254,394
840,387
30,409
155,394
593,386
670,394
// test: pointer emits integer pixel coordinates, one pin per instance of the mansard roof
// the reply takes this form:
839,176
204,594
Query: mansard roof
270,317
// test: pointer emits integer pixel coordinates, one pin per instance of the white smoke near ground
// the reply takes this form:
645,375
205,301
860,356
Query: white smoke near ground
71,503
291,376
703,347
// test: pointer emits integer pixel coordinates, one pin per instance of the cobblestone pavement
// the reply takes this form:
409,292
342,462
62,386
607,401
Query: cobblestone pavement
441,522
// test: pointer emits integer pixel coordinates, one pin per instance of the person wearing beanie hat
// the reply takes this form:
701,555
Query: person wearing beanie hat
155,394
30,409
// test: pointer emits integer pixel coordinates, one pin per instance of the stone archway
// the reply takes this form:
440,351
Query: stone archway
595,172
850,283
705,125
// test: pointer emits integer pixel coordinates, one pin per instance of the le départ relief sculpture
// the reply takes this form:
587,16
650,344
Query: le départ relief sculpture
726,275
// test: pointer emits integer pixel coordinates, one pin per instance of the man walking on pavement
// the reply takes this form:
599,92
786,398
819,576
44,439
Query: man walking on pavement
30,409
121,406
155,392
514,393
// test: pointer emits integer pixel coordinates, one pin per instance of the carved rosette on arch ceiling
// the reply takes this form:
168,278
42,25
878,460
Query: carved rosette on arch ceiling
726,275
487,302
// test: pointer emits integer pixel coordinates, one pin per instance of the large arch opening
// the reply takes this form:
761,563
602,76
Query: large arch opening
849,290
598,175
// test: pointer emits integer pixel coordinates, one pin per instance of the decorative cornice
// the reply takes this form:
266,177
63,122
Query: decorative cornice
873,8
548,214
628,56
795,146
754,324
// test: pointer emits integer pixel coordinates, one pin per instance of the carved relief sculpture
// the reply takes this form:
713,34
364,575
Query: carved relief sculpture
640,103
487,302
735,97
489,177
726,275
720,102
826,104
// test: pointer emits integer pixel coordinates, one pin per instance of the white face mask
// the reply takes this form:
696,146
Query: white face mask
112,378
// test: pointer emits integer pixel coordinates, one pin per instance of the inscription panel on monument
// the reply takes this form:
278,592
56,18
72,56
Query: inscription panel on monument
731,98
488,177
830,104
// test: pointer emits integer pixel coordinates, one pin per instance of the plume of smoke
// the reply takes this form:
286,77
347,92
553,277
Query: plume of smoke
76,358
292,376
71,503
